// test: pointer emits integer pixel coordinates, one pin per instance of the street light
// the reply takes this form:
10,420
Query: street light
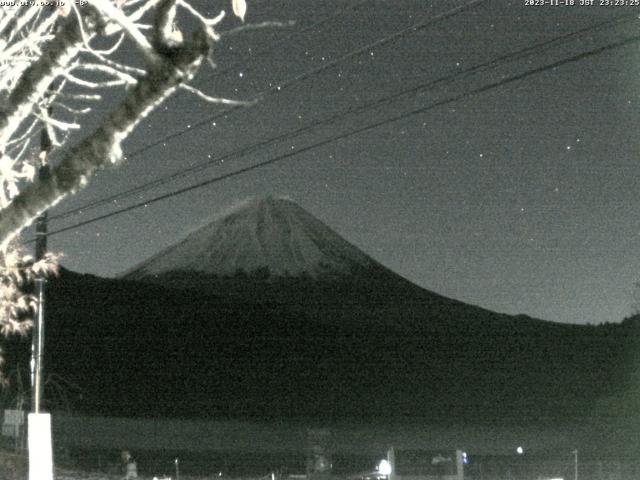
384,467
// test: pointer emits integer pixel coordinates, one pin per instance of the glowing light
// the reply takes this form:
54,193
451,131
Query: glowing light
520,450
384,467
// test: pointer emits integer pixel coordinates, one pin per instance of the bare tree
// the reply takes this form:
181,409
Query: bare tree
49,62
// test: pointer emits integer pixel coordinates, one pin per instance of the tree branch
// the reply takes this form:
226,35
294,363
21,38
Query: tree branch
35,80
163,77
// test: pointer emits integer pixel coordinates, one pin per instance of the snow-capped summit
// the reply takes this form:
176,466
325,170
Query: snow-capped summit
270,235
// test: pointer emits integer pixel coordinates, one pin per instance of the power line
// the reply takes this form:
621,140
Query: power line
201,123
304,76
509,57
280,158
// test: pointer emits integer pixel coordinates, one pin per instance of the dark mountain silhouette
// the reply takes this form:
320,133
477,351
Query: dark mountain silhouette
274,251
267,313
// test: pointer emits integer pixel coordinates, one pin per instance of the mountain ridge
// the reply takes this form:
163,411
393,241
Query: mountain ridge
272,234
366,344
352,275
200,354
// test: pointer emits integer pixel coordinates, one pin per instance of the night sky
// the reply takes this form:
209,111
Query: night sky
522,198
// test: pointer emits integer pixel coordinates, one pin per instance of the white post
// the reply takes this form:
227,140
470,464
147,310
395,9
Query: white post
391,458
40,448
459,465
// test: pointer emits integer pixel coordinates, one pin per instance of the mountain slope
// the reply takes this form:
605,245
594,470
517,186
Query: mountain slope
286,319
274,251
271,235
139,349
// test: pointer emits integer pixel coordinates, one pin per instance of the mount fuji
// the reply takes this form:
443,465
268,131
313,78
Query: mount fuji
274,236
266,312
272,250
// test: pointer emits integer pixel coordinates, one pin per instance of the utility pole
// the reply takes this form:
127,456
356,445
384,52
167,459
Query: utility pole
37,339
39,433
575,464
